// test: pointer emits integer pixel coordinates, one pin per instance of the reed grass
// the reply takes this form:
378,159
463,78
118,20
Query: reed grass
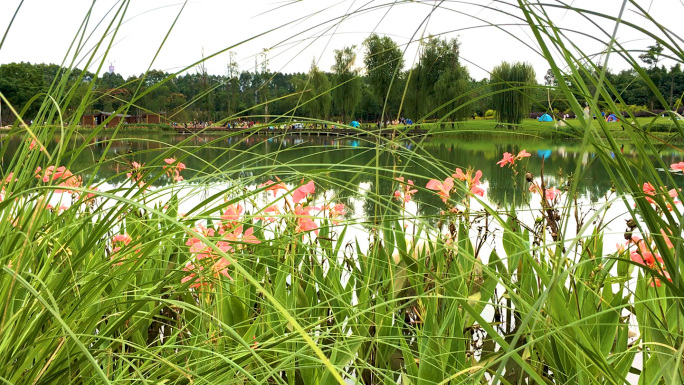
114,288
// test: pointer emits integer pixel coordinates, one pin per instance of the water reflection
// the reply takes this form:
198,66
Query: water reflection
344,163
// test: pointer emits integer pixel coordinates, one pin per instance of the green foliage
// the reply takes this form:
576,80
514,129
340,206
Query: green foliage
438,83
19,82
128,284
346,92
512,89
384,62
317,98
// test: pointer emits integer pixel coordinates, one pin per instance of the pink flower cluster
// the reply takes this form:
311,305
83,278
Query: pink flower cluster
34,144
173,170
228,234
509,159
7,180
118,242
404,195
232,238
473,181
677,166
470,177
645,257
650,191
303,213
136,174
61,175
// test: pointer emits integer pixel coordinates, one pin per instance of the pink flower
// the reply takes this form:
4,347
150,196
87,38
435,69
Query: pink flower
477,190
303,191
473,182
656,281
677,166
231,216
304,220
273,186
205,231
407,190
237,236
508,158
443,189
221,267
552,193
119,241
273,210
667,239
135,174
460,175
334,211
523,154
649,189
193,277
174,171
125,238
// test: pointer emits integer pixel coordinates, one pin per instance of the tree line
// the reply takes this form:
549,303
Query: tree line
378,88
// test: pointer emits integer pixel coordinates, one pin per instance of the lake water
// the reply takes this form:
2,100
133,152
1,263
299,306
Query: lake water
345,162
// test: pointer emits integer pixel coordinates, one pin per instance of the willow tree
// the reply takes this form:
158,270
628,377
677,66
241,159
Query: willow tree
512,91
437,83
317,96
384,62
346,92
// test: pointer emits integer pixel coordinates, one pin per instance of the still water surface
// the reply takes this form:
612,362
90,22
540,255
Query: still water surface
341,165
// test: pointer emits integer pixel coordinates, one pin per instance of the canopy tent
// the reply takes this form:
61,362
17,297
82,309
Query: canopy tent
611,118
546,118
355,124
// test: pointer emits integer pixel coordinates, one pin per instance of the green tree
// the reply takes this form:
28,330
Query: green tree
347,89
451,85
652,55
317,94
19,82
384,62
438,81
512,91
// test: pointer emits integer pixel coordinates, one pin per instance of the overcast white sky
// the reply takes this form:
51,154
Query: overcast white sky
304,30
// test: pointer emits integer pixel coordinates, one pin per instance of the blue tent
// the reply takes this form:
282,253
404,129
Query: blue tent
611,118
409,122
544,153
546,118
355,124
